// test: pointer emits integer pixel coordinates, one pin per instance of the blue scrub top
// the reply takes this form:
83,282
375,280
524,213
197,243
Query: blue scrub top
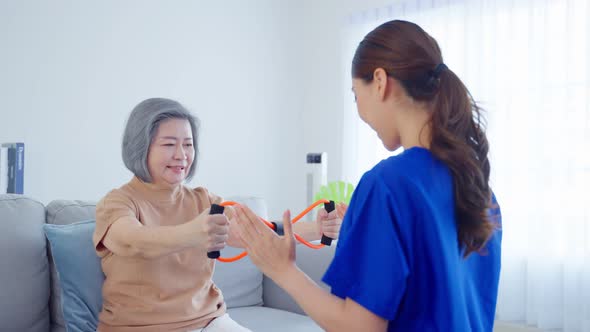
398,254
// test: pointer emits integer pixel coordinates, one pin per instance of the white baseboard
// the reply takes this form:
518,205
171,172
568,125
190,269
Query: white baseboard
512,327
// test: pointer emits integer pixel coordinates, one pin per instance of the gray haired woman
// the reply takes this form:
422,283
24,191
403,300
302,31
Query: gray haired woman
152,234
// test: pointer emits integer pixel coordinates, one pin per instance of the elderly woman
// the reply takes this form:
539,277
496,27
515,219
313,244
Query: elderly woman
153,233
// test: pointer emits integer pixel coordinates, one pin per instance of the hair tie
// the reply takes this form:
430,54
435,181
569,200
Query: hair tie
438,70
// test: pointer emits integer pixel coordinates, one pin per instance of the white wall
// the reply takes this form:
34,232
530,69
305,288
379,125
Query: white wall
328,97
327,81
70,72
323,92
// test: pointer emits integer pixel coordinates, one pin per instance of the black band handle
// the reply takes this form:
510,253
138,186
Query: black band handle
278,227
331,206
215,209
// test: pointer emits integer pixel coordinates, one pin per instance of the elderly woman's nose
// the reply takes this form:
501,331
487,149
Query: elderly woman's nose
179,152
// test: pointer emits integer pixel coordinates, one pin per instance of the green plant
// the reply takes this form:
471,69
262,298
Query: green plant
337,191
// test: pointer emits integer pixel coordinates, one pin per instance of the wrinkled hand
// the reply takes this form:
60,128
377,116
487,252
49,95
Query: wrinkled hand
329,224
273,254
212,230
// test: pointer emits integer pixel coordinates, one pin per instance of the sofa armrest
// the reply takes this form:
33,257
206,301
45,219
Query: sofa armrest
313,262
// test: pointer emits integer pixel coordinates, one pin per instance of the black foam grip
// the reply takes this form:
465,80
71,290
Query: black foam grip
330,206
279,229
215,209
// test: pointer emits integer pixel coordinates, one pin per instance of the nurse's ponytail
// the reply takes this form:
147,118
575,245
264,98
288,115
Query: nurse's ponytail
408,54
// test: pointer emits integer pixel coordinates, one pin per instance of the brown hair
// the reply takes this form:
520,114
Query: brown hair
408,54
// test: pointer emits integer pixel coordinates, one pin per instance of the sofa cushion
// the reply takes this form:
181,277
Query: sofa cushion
262,319
79,273
64,212
240,281
24,276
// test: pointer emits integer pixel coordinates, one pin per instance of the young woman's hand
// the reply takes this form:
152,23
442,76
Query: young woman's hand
273,254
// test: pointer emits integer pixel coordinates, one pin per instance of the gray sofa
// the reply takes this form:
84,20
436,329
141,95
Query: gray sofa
30,292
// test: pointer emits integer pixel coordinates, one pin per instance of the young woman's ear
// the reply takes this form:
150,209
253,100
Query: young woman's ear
381,82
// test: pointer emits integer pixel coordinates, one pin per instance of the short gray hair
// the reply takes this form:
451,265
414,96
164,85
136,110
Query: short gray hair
141,128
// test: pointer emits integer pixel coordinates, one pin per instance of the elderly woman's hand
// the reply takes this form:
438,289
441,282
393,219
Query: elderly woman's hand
212,230
329,224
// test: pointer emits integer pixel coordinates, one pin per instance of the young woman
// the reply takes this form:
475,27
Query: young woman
419,248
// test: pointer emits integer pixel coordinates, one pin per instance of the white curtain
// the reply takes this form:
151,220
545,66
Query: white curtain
528,63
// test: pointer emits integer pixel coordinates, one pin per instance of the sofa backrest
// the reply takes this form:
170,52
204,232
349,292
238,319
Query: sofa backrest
24,269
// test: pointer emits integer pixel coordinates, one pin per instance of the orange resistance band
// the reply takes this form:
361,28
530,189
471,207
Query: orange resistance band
296,219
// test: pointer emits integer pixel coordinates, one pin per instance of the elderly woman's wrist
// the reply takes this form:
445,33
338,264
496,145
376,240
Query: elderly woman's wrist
190,234
308,230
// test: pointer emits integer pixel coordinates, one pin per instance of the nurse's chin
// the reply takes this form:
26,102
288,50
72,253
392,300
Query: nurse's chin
391,146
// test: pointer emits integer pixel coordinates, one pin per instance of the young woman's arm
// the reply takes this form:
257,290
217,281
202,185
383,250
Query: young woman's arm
275,256
330,312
